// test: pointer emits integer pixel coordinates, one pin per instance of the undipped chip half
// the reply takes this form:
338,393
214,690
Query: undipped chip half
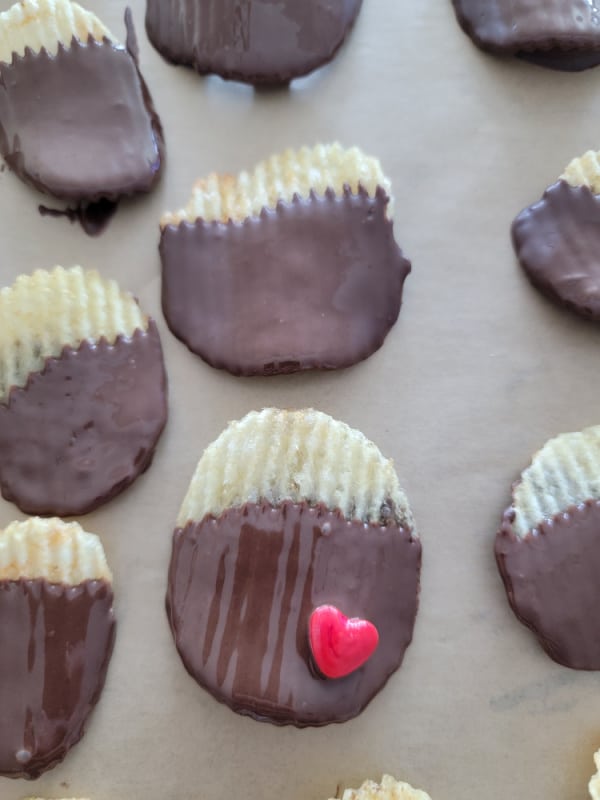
594,785
388,789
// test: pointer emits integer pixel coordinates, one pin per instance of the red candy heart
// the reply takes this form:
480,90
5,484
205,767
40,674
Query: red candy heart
340,645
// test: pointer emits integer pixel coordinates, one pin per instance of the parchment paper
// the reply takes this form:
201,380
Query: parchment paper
477,374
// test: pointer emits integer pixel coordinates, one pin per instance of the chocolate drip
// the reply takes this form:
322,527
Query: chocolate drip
241,591
315,284
557,242
84,427
80,125
93,217
55,647
255,41
559,34
551,579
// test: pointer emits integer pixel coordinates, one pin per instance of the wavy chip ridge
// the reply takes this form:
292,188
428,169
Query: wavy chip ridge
274,455
224,198
564,473
58,551
42,313
38,24
388,789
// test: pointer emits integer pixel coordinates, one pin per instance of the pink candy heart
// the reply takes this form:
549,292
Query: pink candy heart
340,645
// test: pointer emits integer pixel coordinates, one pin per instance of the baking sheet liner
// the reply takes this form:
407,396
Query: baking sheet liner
479,371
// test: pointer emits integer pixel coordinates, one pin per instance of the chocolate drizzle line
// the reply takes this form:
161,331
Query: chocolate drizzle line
85,426
241,590
313,284
254,41
92,133
551,579
55,646
557,242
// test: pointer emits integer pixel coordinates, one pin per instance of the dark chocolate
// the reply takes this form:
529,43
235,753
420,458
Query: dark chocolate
315,284
241,591
254,41
80,125
84,427
557,242
93,217
551,579
563,60
558,34
55,646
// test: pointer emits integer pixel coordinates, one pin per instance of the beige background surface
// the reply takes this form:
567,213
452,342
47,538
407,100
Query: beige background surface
477,374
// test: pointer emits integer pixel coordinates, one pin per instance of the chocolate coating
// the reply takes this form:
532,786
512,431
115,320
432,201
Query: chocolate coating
243,586
84,427
557,242
559,34
314,284
562,60
551,579
55,646
80,125
254,41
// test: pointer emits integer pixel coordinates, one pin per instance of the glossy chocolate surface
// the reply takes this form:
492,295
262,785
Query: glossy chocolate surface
255,41
557,242
55,647
241,591
84,427
314,284
551,579
559,34
80,125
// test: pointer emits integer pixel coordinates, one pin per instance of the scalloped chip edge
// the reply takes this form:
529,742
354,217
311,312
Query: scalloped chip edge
565,472
58,551
594,784
224,198
584,171
388,789
44,312
274,455
38,24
